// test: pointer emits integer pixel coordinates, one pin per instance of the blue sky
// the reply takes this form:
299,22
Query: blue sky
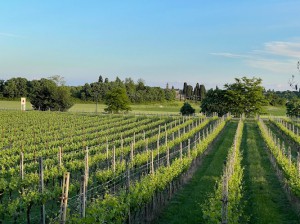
160,41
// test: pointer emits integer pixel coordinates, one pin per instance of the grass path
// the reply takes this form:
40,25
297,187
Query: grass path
266,201
185,206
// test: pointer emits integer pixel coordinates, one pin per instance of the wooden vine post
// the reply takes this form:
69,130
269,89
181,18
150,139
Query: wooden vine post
290,156
83,196
166,139
152,163
64,198
86,165
22,165
114,160
189,148
122,148
168,156
41,189
298,163
146,146
128,188
107,153
180,151
224,197
157,145
131,152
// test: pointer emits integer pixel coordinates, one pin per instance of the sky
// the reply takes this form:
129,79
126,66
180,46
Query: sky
159,41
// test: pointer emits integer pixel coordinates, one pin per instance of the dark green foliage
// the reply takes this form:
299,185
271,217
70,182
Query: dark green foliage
293,108
202,92
46,95
15,88
117,100
197,93
274,99
214,102
243,96
187,109
100,79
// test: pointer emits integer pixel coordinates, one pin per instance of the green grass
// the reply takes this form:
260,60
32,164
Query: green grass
275,111
266,201
173,107
154,108
185,207
13,105
137,108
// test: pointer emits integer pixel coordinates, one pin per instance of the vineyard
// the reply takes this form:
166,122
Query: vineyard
87,168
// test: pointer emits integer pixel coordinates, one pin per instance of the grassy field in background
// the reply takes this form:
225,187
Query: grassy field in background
138,108
276,111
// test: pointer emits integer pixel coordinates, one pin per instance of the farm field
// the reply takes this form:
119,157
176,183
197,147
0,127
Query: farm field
87,168
139,108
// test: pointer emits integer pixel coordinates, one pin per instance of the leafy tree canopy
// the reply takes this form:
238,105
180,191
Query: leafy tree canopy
117,100
46,95
293,108
214,102
187,109
243,96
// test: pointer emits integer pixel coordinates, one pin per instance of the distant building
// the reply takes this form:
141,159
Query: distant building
179,95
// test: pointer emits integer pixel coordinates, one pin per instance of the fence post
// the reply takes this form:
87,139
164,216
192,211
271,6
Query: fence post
64,198
189,148
86,167
180,151
168,156
131,152
83,196
224,197
41,190
107,153
122,148
128,188
152,163
157,145
166,140
22,165
298,163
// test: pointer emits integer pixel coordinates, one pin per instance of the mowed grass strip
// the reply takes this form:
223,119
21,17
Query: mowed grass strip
265,198
185,207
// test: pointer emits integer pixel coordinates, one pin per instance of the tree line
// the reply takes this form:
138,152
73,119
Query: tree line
190,93
138,92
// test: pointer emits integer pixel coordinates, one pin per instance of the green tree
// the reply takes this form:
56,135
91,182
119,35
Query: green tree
100,79
187,109
46,95
245,96
202,92
15,87
1,87
293,108
214,101
117,100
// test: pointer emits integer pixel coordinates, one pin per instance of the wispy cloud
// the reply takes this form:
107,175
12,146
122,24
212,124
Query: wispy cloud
231,55
275,56
285,49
